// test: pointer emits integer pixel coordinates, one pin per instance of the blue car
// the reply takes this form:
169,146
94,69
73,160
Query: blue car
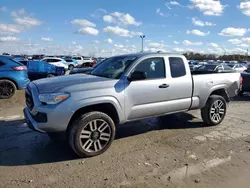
40,69
13,76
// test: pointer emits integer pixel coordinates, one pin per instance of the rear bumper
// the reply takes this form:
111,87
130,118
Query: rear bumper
22,84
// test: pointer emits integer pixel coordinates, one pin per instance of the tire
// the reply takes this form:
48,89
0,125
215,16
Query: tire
50,75
99,132
214,111
7,89
71,67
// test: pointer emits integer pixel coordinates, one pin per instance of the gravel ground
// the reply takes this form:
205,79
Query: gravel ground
171,151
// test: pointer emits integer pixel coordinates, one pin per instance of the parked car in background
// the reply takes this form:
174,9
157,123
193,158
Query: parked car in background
59,62
245,82
13,76
213,68
84,61
37,57
125,88
193,65
39,69
238,67
72,63
81,70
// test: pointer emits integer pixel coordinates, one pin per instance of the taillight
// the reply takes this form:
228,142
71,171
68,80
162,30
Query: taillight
241,81
19,68
94,63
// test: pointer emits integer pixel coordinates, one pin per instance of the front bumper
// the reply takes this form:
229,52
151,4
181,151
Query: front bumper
32,124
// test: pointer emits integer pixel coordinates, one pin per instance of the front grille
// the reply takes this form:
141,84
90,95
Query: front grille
28,99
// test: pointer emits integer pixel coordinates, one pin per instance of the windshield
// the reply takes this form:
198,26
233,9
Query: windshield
230,65
113,67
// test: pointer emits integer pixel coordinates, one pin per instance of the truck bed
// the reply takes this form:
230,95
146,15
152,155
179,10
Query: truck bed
205,84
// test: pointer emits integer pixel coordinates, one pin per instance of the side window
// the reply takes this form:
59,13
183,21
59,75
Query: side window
177,67
153,67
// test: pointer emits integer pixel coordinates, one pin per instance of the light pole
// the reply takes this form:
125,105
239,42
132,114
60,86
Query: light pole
142,38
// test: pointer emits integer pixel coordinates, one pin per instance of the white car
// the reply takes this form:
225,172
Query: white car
59,62
83,60
238,67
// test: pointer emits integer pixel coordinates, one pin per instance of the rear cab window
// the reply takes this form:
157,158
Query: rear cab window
177,67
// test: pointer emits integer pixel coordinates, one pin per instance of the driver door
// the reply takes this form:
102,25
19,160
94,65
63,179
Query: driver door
151,92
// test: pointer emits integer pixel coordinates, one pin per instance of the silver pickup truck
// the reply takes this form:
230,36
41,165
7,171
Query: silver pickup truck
88,107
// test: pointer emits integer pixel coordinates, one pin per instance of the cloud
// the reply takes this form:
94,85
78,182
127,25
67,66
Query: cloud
118,46
245,7
235,41
198,22
176,42
244,45
208,7
121,19
121,31
159,12
156,45
88,31
3,9
18,12
240,42
73,42
197,32
8,38
174,3
230,31
96,41
9,29
189,43
83,23
27,21
213,45
98,13
110,41
170,36
46,39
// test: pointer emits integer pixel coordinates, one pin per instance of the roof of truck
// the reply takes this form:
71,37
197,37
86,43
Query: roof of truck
141,54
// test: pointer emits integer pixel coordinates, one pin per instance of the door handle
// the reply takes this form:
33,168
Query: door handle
164,86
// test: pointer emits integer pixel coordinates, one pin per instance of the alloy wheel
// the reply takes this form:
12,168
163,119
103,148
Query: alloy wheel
95,135
217,111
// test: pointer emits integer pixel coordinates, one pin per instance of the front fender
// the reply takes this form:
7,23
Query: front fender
100,100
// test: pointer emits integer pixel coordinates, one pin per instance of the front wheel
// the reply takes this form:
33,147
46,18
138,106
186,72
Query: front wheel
91,134
215,110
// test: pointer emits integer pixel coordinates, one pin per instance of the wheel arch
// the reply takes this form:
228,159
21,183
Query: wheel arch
105,107
12,80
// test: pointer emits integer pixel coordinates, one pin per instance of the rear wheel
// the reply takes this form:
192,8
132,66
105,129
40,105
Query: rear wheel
71,67
91,134
215,110
7,89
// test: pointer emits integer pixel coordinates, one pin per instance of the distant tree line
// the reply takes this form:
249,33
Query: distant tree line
202,57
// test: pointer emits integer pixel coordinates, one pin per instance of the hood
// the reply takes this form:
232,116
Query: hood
70,82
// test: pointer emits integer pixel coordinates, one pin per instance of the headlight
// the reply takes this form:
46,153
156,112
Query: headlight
53,98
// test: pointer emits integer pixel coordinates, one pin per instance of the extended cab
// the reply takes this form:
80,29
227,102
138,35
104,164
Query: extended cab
122,89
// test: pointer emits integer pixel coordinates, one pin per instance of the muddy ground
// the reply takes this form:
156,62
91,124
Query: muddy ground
171,151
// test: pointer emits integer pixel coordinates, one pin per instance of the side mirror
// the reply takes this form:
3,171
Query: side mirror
137,75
